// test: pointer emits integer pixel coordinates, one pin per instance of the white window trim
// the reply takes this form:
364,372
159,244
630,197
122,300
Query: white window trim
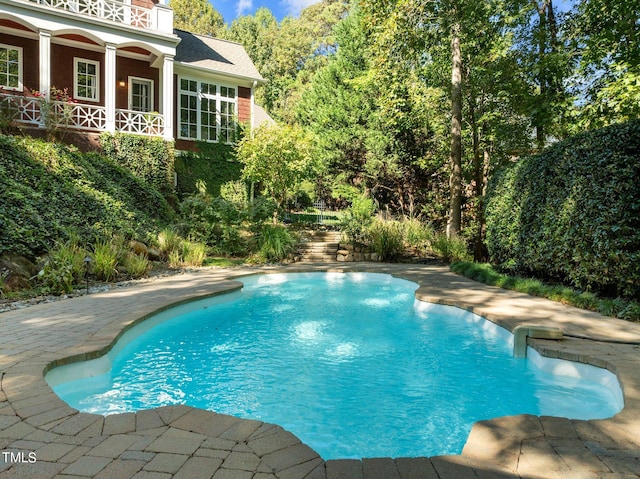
76,96
218,97
20,86
140,79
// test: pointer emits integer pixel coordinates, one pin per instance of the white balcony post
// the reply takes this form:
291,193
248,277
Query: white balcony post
110,87
45,67
162,18
166,80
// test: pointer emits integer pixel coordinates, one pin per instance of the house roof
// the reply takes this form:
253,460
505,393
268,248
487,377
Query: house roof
260,116
220,56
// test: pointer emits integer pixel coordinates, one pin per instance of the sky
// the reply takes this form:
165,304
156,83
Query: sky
231,9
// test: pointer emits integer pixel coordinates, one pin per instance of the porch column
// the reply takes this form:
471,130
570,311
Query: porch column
167,96
45,67
110,87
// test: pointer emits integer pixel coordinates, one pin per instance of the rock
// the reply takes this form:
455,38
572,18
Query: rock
375,257
153,254
358,257
139,248
16,271
343,252
340,258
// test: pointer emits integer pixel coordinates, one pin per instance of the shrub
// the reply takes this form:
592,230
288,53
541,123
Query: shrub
168,241
418,235
63,268
357,219
215,164
50,188
105,260
136,266
275,243
193,253
450,249
387,239
148,158
572,213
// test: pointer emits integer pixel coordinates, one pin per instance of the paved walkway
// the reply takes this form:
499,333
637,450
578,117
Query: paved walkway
42,437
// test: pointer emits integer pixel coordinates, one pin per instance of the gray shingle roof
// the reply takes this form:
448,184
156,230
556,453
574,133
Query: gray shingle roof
216,55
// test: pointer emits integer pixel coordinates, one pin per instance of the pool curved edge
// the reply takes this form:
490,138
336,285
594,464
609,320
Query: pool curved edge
495,445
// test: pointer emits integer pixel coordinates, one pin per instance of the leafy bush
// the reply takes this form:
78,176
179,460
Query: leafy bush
148,158
136,266
105,260
357,219
387,239
63,268
485,273
572,213
215,164
275,243
450,249
418,235
168,241
50,188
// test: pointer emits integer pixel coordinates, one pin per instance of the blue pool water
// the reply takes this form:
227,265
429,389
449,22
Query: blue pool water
350,363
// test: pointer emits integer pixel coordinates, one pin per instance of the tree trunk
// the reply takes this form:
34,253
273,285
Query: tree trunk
455,181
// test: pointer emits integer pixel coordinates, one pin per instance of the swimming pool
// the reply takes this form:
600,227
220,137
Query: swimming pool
350,363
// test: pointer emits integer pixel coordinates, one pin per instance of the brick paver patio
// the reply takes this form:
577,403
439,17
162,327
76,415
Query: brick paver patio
42,437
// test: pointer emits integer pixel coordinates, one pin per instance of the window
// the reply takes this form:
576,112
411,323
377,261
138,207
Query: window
140,94
10,67
87,75
207,111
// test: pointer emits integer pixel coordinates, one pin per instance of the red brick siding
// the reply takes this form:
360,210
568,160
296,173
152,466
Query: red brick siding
30,53
62,68
244,104
126,67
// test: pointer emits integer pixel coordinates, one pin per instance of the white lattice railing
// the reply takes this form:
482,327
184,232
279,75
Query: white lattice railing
19,109
76,116
140,123
107,9
79,116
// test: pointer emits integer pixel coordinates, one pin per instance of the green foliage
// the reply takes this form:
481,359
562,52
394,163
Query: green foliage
450,249
150,159
419,236
179,251
51,188
105,260
357,219
275,243
168,240
279,158
215,164
63,268
387,239
136,266
572,213
485,273
196,16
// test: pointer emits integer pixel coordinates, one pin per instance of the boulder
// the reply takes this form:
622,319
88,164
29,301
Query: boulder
16,271
153,254
139,248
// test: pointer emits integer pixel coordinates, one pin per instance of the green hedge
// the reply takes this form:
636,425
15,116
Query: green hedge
572,213
215,164
50,189
149,158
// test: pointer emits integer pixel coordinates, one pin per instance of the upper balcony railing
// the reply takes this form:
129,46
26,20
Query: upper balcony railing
158,18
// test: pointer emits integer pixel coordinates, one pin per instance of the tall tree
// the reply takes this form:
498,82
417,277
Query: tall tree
607,38
196,16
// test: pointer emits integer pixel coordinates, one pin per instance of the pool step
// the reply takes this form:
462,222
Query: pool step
322,247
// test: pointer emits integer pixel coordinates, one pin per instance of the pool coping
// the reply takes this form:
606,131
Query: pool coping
179,441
